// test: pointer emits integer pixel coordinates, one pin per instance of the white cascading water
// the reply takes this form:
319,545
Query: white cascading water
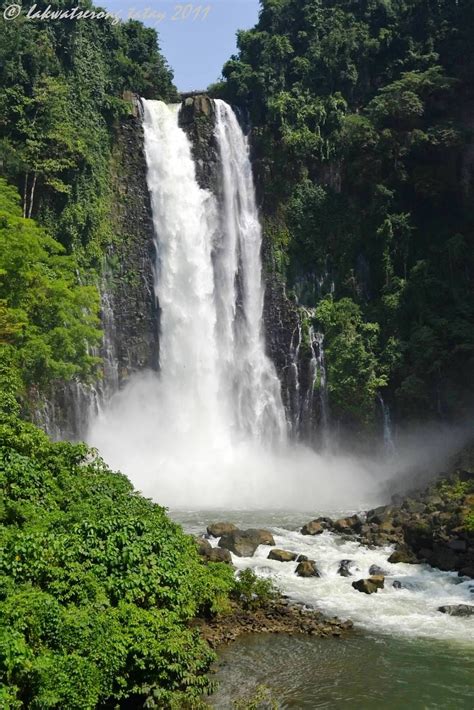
388,442
185,219
257,401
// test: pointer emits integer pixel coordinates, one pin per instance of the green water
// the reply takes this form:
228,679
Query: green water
361,672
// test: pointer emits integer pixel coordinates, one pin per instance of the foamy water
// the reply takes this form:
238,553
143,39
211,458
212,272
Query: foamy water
411,611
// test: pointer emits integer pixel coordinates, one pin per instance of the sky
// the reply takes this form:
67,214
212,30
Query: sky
197,37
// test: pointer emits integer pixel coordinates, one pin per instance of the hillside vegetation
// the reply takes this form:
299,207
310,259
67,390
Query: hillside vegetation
363,134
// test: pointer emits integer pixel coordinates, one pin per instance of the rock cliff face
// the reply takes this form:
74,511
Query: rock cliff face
129,271
197,119
129,312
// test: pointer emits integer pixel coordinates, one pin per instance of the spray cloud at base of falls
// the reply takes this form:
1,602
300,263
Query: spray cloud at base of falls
210,429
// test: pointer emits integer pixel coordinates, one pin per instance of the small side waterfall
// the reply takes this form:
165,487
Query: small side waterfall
388,442
294,388
315,407
321,385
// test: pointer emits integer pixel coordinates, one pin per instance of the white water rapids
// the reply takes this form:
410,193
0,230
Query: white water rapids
411,611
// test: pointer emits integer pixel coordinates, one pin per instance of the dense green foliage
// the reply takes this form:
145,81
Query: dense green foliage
46,319
363,137
97,585
62,87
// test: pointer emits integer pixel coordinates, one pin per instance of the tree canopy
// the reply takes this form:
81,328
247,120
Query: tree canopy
363,140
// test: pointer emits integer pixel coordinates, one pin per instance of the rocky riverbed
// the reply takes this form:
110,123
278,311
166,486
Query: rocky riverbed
433,525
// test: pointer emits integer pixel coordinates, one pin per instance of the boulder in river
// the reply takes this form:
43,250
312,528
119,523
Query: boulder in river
376,570
264,537
382,514
344,568
348,525
316,527
243,543
219,529
282,555
402,554
370,585
204,546
458,609
397,584
213,554
307,568
219,554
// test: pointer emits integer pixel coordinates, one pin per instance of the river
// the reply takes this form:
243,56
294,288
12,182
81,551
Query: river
403,652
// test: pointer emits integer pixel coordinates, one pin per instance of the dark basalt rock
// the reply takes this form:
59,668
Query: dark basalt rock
204,546
219,529
344,568
132,254
458,610
219,554
314,527
212,554
243,543
197,119
402,554
376,570
348,525
397,584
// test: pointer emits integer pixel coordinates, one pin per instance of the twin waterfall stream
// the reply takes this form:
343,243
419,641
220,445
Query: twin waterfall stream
218,382
209,431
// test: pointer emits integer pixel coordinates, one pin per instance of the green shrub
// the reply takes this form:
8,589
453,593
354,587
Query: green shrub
97,585
254,592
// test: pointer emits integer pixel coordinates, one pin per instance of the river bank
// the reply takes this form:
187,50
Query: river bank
276,617
433,524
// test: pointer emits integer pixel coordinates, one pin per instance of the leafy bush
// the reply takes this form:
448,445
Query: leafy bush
355,373
48,319
253,592
262,699
97,585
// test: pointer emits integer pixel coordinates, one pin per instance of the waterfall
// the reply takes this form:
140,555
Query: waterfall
322,388
217,395
110,379
317,387
294,388
185,219
239,289
213,366
388,442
